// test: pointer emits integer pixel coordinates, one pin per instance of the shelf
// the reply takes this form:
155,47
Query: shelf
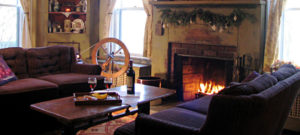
76,13
65,33
206,3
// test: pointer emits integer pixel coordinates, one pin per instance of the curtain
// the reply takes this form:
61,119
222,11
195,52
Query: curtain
107,18
148,28
26,40
275,9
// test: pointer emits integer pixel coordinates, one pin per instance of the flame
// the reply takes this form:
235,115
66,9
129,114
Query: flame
210,88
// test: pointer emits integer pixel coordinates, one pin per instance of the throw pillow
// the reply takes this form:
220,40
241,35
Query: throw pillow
263,82
237,89
284,72
257,85
251,76
6,74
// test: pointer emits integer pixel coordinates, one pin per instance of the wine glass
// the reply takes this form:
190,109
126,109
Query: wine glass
92,81
108,82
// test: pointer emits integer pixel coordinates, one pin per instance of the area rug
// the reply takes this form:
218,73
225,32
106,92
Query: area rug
107,128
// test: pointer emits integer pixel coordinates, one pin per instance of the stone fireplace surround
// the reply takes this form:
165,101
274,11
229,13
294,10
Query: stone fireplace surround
217,52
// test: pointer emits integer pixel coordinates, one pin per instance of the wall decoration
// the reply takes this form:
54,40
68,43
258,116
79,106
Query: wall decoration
216,21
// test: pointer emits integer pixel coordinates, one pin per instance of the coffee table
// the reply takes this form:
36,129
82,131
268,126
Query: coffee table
79,117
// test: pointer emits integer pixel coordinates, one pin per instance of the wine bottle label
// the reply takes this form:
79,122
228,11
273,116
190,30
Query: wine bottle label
129,83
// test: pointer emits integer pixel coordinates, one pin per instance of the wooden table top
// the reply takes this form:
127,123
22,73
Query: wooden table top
65,110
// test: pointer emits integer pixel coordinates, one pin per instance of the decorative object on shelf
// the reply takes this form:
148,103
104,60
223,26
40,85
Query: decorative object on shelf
79,6
77,25
83,4
68,5
63,12
216,21
50,27
50,5
67,14
56,6
68,9
67,25
54,27
59,29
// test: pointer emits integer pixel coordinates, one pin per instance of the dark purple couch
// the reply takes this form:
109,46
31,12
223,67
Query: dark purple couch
43,73
263,112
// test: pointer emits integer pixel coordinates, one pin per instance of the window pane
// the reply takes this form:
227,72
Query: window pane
291,32
292,4
8,29
129,4
9,2
132,33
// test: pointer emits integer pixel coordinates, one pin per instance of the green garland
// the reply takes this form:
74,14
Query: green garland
216,20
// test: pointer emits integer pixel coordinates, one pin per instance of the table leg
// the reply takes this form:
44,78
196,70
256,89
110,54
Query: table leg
144,108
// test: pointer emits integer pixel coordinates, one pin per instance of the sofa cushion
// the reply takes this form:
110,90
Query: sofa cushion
50,60
73,82
69,78
284,72
199,105
182,116
16,60
6,75
26,85
255,86
251,76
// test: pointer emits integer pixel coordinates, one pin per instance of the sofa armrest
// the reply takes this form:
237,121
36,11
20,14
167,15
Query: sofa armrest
149,125
91,69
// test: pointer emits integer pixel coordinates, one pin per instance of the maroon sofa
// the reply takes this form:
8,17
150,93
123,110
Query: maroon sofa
258,107
43,73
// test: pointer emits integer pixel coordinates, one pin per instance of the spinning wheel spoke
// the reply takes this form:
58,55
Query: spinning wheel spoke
105,51
110,70
111,60
118,51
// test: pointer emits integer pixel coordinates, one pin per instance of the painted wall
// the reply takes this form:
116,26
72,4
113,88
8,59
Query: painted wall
248,37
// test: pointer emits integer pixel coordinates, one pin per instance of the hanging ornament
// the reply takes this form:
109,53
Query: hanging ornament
214,27
220,29
179,21
235,18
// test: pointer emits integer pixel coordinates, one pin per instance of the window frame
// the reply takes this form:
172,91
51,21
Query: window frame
19,24
281,37
116,27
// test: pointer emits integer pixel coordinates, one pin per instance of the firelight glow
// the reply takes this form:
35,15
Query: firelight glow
68,9
210,88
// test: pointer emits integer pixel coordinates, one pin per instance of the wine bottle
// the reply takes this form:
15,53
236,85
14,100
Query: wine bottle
130,79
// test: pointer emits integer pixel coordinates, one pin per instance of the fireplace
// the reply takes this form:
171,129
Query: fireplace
201,74
197,68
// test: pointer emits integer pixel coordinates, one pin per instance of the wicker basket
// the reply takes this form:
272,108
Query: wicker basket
295,111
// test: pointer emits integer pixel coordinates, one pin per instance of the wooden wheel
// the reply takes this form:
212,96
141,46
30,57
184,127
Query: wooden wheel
112,55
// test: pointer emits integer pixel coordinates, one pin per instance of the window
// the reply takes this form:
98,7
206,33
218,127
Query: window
289,41
128,25
10,13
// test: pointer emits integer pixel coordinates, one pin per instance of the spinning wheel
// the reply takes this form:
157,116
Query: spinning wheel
113,57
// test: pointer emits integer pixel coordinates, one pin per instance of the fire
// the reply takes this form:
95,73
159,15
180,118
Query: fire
210,88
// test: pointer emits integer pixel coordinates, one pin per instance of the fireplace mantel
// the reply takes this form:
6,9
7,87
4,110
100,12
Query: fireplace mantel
159,4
